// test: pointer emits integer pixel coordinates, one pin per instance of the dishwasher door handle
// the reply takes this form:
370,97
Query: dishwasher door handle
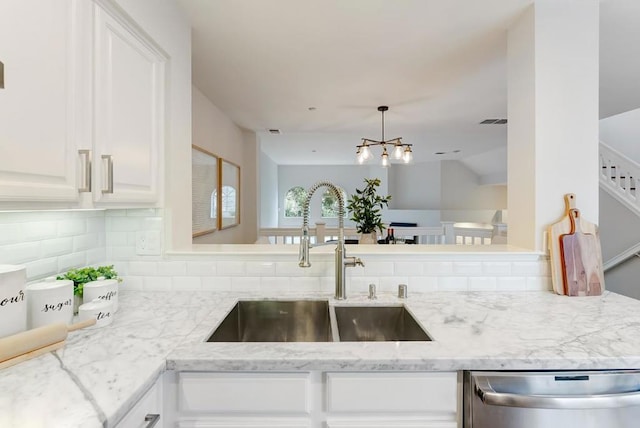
489,396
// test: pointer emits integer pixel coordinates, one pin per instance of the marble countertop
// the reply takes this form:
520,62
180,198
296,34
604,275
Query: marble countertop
100,373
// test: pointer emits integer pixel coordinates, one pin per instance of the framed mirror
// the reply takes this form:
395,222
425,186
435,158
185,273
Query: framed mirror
229,213
204,187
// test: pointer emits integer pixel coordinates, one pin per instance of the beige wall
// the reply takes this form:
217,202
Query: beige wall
215,132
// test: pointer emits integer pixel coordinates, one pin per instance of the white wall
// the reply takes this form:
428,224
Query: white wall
268,194
461,190
415,186
622,132
552,62
215,132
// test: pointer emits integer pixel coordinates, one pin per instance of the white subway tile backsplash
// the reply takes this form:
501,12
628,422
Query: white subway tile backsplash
40,230
216,283
467,268
260,268
74,227
422,284
389,284
539,283
378,269
131,283
289,269
247,283
11,233
190,283
56,247
20,253
201,268
143,268
42,268
528,268
124,224
511,283
118,239
438,268
274,283
483,283
157,283
453,283
154,223
85,242
71,261
496,268
305,284
409,268
231,268
172,268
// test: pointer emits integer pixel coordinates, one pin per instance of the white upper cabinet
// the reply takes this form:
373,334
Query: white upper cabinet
129,85
40,101
83,109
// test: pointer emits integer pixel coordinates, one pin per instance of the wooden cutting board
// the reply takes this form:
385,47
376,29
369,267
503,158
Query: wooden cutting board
581,260
555,231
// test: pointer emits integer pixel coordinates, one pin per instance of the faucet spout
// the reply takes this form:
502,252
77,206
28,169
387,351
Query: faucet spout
341,261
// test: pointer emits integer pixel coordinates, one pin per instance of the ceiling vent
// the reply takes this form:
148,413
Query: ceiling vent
493,122
274,131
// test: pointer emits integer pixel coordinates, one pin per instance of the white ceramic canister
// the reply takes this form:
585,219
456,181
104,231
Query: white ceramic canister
49,302
13,302
98,309
105,289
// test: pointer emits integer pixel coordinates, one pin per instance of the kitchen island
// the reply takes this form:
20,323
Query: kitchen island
101,373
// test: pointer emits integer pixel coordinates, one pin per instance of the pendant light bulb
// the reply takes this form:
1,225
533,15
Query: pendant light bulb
385,158
407,156
397,151
366,152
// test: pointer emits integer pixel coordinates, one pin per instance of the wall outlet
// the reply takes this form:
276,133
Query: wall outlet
148,243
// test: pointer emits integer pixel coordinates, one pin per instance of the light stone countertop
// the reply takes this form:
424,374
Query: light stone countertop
101,373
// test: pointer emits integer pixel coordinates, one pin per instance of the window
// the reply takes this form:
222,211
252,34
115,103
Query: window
228,202
330,204
294,202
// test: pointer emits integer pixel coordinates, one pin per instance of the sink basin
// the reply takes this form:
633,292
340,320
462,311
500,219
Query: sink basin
275,321
377,323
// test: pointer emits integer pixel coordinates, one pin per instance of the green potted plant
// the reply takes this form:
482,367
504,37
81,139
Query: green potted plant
87,274
365,207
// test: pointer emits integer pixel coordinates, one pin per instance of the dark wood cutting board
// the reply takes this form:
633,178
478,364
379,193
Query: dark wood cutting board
581,260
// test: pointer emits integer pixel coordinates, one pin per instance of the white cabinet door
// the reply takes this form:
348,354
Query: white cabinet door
146,411
40,101
129,87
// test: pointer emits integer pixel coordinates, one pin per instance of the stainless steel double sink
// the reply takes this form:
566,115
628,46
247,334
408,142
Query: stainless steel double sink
316,321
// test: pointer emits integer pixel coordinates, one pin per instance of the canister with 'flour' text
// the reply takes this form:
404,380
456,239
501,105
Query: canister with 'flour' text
13,302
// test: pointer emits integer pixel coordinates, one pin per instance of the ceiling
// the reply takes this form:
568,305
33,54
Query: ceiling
440,66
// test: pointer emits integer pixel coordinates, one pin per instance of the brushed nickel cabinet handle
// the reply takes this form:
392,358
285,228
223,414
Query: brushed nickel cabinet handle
152,419
86,171
109,176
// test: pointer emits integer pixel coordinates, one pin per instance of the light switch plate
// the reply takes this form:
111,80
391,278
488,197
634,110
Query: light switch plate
148,243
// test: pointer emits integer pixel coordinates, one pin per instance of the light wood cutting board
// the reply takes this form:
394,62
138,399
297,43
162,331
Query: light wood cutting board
555,231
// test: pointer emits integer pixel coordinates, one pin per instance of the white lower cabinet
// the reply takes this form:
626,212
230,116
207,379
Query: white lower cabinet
146,411
312,399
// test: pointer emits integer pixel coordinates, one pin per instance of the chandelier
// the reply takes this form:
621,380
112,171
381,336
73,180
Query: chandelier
399,150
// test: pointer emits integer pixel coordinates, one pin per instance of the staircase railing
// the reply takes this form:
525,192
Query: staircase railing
620,177
622,257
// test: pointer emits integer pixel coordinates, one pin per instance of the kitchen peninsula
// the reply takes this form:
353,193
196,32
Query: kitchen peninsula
100,374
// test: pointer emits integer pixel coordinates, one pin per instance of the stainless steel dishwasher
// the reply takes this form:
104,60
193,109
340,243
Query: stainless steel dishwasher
572,399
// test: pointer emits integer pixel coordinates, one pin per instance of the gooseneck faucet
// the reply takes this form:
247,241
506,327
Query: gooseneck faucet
341,261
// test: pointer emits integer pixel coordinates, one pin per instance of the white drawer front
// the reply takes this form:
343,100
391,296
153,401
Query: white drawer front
244,392
392,392
245,423
389,423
